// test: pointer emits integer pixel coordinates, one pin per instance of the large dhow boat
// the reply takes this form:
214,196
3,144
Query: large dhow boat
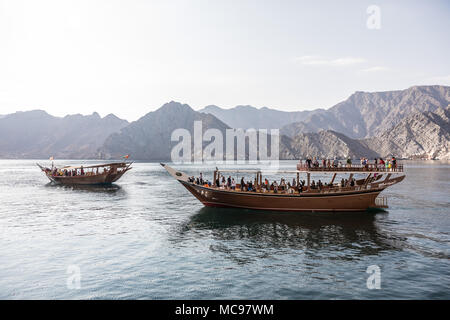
99,174
334,196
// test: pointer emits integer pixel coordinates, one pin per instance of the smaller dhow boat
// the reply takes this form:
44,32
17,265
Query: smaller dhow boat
350,194
99,174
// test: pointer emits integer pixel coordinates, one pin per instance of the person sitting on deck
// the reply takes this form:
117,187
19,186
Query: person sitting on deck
316,163
282,185
264,188
290,190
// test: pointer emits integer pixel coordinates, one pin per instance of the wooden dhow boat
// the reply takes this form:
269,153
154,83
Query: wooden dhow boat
355,195
99,174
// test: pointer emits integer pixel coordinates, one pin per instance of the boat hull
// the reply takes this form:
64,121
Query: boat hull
102,179
352,201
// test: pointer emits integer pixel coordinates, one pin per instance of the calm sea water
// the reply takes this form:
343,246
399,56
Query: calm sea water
148,238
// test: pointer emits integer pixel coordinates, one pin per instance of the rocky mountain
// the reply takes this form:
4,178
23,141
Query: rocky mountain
246,117
423,134
36,134
325,144
362,115
149,138
412,122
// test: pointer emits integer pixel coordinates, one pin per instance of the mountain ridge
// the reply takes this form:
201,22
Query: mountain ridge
411,122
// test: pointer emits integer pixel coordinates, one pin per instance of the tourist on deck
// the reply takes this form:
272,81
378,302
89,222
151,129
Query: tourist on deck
352,183
229,182
201,178
349,163
290,190
233,184
242,184
264,188
308,162
282,185
335,162
275,187
316,163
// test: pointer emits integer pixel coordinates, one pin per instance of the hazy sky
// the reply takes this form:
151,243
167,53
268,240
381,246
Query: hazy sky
130,57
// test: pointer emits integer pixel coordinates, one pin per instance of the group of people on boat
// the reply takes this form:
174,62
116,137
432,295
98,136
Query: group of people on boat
275,187
61,172
377,163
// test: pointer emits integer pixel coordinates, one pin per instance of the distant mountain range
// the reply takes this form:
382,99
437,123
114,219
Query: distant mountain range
36,134
247,117
406,123
362,115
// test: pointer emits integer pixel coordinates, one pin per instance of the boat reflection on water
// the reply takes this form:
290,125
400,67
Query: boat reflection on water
357,232
111,189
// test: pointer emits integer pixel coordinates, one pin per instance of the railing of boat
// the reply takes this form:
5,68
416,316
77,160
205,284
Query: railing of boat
353,167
